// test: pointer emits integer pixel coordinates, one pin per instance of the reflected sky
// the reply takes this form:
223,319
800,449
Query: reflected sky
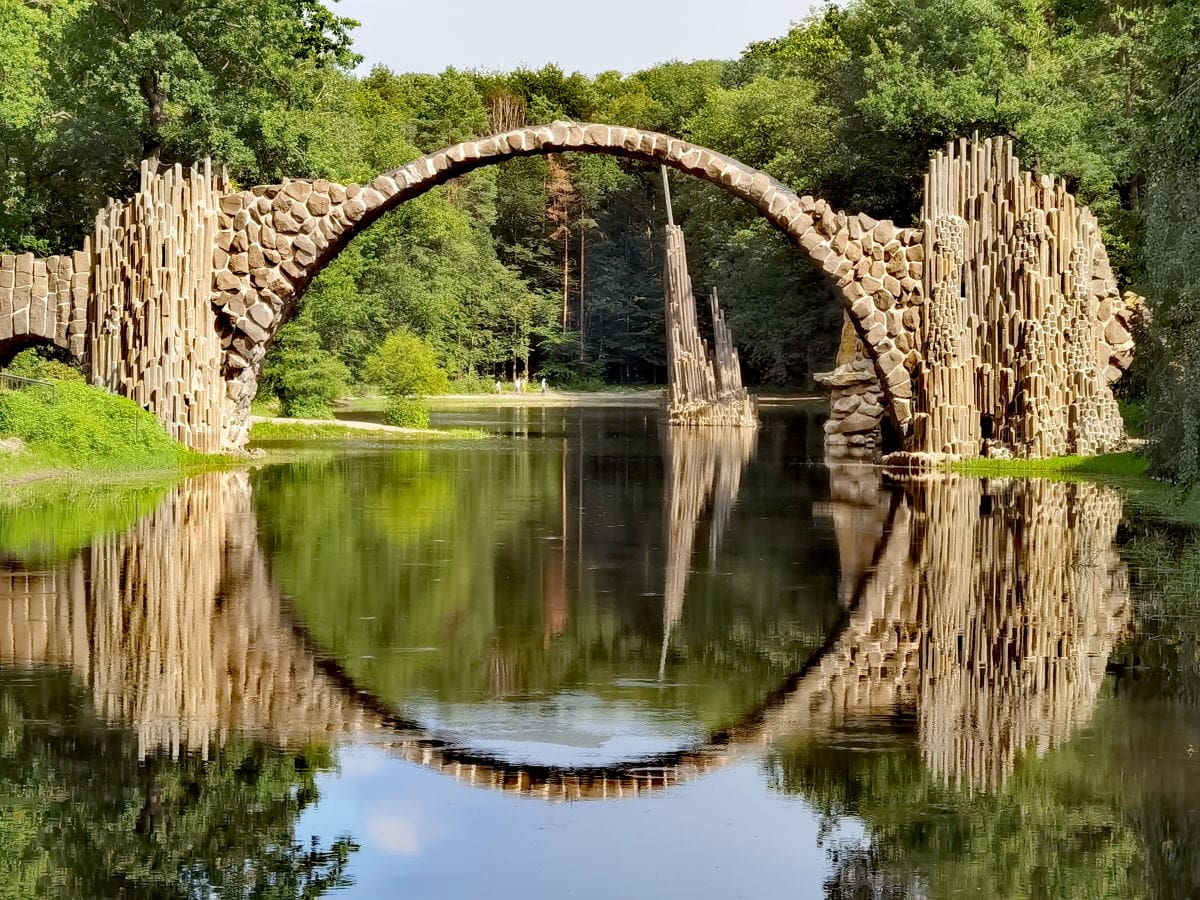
729,836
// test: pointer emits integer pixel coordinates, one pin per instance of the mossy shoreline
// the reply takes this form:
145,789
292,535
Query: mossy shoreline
1109,465
1147,497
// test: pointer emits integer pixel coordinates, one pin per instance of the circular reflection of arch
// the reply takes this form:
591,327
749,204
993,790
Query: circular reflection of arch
179,631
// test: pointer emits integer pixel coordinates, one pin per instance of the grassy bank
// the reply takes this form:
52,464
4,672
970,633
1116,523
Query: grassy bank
72,432
1146,497
276,430
1111,465
641,397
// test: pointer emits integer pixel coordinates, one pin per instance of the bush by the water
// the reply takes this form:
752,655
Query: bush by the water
70,423
472,383
405,365
406,412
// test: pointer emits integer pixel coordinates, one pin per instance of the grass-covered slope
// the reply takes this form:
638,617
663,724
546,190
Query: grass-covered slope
67,425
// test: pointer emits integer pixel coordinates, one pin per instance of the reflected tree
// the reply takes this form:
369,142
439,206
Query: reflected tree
81,816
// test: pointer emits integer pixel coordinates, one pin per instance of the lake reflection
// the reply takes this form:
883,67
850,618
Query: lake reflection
774,678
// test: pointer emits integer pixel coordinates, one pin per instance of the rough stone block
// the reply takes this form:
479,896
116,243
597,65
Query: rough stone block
298,190
227,281
318,204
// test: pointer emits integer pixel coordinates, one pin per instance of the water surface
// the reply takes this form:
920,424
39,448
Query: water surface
590,658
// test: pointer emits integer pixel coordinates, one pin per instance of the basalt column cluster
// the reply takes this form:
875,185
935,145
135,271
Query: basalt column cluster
1023,331
152,334
703,388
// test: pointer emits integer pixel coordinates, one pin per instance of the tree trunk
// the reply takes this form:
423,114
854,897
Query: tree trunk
151,90
582,266
566,276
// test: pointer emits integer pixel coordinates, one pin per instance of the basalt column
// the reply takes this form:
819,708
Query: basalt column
703,388
1024,330
152,328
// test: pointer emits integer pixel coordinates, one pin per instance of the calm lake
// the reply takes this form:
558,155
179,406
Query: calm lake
591,659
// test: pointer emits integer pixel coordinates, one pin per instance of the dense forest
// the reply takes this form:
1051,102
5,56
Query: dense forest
554,264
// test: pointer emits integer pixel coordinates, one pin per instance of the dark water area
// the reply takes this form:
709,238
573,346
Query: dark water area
590,658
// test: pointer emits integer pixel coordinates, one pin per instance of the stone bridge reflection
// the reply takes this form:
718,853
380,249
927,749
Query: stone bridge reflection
987,610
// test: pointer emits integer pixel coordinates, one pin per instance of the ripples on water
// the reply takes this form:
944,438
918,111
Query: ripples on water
589,659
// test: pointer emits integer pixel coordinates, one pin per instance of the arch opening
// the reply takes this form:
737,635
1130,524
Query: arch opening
276,239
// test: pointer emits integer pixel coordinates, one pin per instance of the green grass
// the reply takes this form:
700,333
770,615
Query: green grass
1146,498
266,407
77,432
1111,465
287,431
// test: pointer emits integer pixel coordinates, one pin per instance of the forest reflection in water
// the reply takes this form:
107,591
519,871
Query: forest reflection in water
944,684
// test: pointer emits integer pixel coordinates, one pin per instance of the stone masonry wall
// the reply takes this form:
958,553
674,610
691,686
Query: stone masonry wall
45,299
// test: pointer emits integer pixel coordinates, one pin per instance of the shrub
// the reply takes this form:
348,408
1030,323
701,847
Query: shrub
305,378
406,365
472,383
406,412
30,363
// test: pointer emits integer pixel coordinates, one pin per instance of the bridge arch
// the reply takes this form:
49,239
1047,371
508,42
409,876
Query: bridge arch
275,239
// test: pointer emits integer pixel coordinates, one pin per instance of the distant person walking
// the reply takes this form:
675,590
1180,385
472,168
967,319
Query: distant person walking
545,387
499,386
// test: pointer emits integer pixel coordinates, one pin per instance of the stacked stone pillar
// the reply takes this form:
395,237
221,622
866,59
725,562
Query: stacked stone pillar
703,388
45,299
152,328
1021,335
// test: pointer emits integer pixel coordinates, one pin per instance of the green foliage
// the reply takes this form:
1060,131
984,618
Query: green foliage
406,365
71,425
471,384
1172,203
100,85
406,412
305,378
77,818
31,364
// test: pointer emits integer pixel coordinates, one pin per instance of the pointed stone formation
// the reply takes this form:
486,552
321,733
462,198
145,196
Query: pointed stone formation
703,388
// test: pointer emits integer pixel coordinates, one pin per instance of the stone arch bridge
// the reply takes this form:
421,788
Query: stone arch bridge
986,614
996,317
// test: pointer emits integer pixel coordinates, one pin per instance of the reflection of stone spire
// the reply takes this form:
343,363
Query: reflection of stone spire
1027,599
989,609
704,470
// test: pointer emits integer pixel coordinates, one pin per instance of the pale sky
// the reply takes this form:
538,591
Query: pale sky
588,36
